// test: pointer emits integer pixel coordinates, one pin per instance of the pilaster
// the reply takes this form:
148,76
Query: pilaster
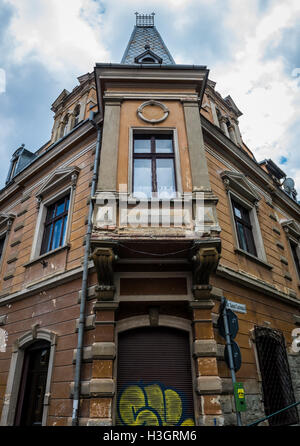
198,163
109,150
208,381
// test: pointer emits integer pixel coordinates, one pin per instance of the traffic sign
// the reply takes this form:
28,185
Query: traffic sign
236,356
233,324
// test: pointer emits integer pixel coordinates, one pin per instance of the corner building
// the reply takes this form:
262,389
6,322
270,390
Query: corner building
119,238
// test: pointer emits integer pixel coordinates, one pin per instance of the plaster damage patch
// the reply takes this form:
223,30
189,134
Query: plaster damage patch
3,340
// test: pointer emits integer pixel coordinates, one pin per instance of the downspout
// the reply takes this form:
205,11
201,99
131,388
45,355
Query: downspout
85,273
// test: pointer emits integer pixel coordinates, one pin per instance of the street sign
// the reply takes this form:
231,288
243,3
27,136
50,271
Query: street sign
236,356
235,306
233,324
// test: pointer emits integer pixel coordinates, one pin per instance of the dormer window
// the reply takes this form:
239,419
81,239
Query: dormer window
148,56
148,60
19,161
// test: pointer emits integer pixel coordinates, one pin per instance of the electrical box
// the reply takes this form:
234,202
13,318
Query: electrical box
239,395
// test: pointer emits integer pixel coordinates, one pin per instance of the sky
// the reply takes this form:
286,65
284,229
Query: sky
251,47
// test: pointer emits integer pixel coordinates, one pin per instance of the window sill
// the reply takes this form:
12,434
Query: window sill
254,258
46,255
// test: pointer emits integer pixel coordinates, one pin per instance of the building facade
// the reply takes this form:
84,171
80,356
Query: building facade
120,237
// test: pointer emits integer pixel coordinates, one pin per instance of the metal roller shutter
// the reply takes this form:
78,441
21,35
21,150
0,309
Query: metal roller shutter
154,382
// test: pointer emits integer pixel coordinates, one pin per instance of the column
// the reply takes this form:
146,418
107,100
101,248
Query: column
214,112
237,133
223,124
232,134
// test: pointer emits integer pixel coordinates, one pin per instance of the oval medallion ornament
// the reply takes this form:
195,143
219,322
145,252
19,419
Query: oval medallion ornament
153,112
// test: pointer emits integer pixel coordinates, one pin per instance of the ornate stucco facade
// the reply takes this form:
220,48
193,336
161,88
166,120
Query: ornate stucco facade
109,297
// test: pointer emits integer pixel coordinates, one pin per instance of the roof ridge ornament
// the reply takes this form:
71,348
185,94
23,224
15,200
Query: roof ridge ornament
144,19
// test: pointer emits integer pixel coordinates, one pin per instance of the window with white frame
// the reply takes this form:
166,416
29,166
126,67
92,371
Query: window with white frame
243,203
55,200
154,169
292,231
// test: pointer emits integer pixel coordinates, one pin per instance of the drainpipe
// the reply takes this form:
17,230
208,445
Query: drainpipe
85,273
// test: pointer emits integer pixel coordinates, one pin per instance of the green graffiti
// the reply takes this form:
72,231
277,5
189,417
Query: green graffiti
151,405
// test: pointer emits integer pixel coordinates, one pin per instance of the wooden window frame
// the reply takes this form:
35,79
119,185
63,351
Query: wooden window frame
50,222
153,155
246,223
147,131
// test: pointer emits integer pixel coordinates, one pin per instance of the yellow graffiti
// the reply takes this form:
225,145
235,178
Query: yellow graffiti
151,406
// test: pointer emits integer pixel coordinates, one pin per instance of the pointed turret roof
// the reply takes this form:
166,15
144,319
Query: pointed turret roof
145,44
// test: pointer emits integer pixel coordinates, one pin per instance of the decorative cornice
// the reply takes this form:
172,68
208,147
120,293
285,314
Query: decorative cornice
250,166
59,176
238,182
291,228
6,221
257,284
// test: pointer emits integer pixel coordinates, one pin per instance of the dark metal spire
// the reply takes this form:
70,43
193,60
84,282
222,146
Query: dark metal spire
145,34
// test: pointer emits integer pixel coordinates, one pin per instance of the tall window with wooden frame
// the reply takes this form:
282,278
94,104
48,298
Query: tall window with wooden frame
295,252
55,225
154,173
244,228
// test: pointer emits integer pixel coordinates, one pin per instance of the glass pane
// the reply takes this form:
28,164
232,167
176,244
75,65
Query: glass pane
250,241
67,204
164,145
50,212
142,177
241,236
237,212
60,207
142,145
48,234
165,178
56,234
64,229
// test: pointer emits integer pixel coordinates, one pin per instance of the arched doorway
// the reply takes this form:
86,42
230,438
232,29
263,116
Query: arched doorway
154,381
30,404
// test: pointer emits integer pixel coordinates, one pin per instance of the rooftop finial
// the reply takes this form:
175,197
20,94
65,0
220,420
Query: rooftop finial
144,19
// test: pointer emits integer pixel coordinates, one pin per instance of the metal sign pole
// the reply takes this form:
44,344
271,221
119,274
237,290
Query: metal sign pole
231,364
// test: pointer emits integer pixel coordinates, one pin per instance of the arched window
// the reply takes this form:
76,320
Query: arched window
32,389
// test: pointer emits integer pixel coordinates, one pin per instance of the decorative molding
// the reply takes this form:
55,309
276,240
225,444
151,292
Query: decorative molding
104,259
6,221
291,228
58,177
205,262
149,103
257,284
238,183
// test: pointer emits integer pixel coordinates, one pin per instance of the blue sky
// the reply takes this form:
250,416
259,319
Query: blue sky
252,48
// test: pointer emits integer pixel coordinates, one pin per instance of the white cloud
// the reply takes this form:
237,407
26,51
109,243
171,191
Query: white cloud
58,34
261,88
